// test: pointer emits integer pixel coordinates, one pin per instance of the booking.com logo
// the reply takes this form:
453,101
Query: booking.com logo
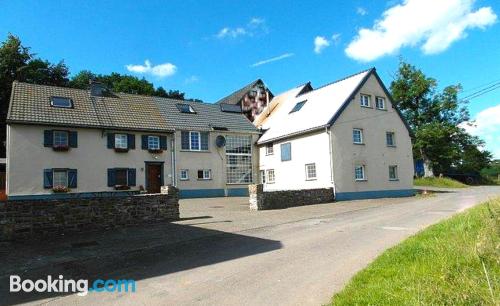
61,285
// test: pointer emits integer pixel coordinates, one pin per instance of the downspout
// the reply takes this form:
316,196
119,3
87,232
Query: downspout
173,161
330,149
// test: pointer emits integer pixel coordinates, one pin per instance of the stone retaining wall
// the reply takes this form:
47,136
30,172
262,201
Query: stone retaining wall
25,219
261,200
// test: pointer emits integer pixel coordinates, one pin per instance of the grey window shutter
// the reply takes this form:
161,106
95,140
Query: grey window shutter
73,139
131,141
144,142
111,177
111,140
163,142
286,151
72,178
185,140
47,178
204,140
48,138
131,177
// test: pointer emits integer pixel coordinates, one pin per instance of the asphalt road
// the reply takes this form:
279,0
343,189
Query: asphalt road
297,256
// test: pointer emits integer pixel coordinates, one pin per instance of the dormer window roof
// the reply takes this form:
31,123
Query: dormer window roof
185,108
61,102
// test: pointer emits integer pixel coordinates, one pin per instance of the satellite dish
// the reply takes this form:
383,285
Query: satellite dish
220,141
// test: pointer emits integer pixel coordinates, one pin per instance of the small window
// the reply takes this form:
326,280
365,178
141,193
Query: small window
184,175
286,151
365,100
262,176
269,149
270,176
359,173
61,102
121,177
153,142
60,178
297,107
185,108
393,173
357,136
194,140
380,103
310,172
389,138
121,141
205,174
60,139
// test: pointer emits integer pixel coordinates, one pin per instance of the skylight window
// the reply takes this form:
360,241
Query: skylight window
298,106
61,102
185,108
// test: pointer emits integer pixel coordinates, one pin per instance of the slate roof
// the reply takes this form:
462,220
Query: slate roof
236,96
206,116
322,106
30,104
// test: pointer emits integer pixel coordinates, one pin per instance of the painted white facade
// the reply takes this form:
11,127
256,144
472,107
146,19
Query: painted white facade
331,147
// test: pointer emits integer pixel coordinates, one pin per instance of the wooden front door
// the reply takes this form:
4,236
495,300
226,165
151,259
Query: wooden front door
153,178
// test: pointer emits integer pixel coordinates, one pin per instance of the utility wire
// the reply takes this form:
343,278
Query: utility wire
482,91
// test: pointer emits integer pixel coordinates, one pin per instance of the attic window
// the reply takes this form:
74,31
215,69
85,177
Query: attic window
61,102
185,108
230,108
298,106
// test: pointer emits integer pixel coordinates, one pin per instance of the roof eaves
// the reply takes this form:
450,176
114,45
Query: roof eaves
292,134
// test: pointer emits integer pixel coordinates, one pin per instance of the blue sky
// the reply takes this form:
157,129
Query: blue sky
210,48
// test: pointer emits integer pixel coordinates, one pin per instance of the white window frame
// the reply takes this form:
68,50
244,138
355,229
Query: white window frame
309,177
271,176
207,174
393,137
119,143
377,100
243,157
54,177
54,137
262,176
368,99
360,136
184,175
269,149
191,143
155,142
396,177
363,172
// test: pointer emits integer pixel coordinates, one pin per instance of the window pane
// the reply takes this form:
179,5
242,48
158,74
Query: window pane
270,176
286,151
393,172
239,159
153,142
390,138
357,136
310,171
121,177
204,141
60,138
195,141
269,149
185,140
359,172
60,178
184,174
298,106
121,141
61,102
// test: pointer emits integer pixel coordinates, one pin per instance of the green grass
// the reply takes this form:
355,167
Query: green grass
438,182
442,265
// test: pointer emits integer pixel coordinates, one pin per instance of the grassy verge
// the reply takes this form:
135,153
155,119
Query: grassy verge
455,262
438,182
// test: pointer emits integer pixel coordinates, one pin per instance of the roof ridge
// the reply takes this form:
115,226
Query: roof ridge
343,79
51,86
239,89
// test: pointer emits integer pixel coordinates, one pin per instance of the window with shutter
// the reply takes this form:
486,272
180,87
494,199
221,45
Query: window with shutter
286,151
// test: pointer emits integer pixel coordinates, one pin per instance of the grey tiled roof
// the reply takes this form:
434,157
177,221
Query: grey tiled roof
236,96
206,116
30,104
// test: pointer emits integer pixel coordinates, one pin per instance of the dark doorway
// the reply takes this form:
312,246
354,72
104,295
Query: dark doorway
154,177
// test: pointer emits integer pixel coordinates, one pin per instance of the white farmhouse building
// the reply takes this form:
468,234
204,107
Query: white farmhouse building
346,135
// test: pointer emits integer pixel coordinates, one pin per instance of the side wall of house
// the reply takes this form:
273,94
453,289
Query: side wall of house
27,158
214,159
311,148
373,154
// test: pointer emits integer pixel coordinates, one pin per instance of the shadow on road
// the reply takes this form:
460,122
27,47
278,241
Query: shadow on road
132,253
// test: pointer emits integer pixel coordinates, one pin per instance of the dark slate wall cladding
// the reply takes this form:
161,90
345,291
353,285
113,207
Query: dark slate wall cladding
260,200
38,218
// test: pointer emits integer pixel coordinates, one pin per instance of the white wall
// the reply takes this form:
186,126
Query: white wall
27,157
306,149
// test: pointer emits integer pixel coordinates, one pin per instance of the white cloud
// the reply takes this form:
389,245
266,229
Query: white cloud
486,126
336,38
273,59
432,25
161,70
361,11
191,79
320,43
255,26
